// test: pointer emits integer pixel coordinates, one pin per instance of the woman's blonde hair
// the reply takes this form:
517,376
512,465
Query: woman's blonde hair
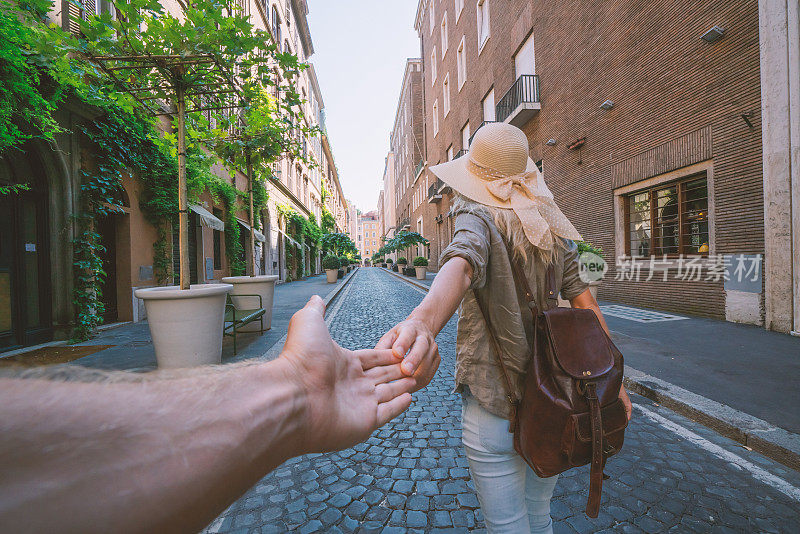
510,227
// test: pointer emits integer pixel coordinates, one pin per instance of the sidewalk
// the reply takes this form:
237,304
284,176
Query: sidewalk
133,350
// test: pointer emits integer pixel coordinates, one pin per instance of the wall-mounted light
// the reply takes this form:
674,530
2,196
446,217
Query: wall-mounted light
608,104
714,34
551,142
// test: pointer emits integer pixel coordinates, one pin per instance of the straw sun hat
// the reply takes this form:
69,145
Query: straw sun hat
497,172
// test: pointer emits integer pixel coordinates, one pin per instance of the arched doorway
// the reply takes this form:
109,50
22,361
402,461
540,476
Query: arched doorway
114,231
25,290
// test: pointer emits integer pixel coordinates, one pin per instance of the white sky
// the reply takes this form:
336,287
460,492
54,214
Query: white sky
360,51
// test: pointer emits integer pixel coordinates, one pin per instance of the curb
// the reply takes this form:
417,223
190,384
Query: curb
754,433
412,281
277,347
759,435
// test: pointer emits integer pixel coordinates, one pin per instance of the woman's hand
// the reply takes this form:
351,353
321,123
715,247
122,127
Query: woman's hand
413,341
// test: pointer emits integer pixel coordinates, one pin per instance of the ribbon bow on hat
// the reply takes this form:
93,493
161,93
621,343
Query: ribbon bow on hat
533,203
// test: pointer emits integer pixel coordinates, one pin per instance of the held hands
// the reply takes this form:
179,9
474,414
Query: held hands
347,394
413,341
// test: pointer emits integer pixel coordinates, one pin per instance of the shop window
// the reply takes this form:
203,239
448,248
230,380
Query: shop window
670,219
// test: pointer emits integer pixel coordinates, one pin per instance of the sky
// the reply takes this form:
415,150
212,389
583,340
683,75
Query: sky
360,51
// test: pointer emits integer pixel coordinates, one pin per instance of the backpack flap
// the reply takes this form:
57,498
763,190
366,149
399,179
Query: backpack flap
579,343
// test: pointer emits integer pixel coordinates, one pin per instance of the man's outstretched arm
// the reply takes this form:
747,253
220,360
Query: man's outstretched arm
170,454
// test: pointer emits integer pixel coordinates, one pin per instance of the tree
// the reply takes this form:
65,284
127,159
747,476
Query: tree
339,244
213,67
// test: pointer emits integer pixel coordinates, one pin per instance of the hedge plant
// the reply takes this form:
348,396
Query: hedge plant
420,261
330,263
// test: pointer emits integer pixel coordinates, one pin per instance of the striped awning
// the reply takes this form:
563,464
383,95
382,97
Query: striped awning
259,236
207,219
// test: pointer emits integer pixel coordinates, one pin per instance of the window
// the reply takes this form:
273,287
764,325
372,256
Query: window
430,16
444,34
105,6
450,153
217,242
488,107
525,60
668,219
465,134
461,64
459,8
433,66
435,118
276,27
483,23
446,94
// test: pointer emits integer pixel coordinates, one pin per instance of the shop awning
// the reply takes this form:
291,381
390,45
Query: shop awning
206,218
289,238
259,236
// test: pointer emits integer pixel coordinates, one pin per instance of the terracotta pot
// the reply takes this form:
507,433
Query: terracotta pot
332,275
263,285
186,325
421,272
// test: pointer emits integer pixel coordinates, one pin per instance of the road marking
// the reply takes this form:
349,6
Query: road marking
737,461
638,315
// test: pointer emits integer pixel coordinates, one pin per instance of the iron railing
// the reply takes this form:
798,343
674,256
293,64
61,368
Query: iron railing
460,153
433,191
524,91
476,131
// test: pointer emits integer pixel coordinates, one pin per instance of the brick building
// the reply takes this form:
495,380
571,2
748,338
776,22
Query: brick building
407,147
647,120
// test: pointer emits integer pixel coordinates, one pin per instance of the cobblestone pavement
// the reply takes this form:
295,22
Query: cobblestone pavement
411,476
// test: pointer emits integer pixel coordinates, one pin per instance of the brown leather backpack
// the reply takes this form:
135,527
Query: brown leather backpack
570,413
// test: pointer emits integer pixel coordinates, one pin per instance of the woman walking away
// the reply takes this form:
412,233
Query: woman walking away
503,210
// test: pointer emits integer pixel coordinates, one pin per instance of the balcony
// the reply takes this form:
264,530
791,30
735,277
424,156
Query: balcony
460,153
418,170
521,102
476,131
433,192
404,224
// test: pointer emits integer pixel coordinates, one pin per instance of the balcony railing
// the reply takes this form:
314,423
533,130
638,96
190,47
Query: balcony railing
419,168
460,153
405,223
476,131
433,192
521,101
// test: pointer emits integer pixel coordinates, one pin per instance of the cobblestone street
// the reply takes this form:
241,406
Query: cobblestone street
411,476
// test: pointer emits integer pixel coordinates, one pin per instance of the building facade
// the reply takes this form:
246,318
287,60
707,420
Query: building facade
667,132
36,272
388,214
368,239
407,146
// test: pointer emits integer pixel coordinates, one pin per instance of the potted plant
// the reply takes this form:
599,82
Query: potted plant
421,267
592,265
402,262
345,263
331,265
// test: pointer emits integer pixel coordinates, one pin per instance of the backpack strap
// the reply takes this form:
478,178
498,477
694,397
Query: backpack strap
596,475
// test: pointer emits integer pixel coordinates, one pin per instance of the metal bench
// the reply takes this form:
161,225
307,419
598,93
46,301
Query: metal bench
236,318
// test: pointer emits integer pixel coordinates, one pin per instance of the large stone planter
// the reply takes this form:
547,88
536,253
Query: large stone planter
332,275
421,272
263,285
186,325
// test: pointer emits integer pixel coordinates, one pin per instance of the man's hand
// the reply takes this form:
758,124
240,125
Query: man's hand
347,394
413,341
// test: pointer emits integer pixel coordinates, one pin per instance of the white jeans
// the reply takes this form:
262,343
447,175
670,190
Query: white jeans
513,499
